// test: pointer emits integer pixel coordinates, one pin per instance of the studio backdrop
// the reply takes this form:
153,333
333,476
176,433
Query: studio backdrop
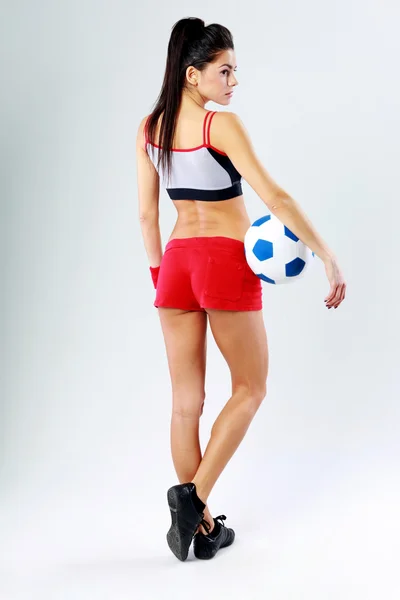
85,388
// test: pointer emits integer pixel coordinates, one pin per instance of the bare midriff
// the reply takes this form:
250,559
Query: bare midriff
227,218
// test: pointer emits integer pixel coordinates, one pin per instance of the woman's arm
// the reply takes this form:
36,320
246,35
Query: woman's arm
148,194
232,138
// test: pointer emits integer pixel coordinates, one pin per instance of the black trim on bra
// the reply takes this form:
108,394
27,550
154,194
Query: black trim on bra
207,195
226,163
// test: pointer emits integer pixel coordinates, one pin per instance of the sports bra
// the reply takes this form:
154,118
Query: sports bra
201,173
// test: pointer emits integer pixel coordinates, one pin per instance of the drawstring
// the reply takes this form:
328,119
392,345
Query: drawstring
207,526
222,518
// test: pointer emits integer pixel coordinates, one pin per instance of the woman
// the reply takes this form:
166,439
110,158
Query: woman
203,275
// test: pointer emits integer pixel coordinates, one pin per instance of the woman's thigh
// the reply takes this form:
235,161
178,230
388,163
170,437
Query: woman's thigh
185,337
242,339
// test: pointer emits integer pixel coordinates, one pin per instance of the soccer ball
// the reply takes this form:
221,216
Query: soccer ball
274,253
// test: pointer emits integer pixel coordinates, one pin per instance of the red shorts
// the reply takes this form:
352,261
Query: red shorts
207,272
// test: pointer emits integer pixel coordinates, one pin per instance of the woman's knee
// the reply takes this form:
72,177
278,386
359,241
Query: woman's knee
188,405
253,394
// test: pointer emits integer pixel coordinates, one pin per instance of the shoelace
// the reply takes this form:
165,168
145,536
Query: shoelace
207,525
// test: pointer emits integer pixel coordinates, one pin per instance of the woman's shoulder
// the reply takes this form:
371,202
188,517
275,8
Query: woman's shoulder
142,131
143,125
226,120
226,116
226,127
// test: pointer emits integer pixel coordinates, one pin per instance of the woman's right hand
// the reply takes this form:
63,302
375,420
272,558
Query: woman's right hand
338,286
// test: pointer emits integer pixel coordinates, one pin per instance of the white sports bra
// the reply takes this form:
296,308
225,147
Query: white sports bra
201,173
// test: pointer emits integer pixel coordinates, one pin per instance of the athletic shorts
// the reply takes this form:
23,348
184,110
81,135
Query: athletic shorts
207,272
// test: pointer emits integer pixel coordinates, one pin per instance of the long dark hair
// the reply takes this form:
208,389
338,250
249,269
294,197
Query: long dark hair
191,43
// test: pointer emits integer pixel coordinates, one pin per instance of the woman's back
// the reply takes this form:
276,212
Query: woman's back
204,185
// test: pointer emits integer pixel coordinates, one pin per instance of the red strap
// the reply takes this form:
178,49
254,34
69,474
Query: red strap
204,127
208,140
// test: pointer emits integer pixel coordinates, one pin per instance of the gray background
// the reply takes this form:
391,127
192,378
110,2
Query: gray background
313,491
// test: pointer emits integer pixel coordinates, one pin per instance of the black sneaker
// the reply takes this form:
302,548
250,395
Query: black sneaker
207,546
185,518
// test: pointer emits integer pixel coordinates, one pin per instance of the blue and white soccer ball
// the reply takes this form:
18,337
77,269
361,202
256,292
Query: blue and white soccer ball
274,253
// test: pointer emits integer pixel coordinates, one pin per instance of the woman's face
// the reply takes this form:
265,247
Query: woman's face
218,78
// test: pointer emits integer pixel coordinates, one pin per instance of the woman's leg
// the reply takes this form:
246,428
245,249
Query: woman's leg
185,341
242,339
